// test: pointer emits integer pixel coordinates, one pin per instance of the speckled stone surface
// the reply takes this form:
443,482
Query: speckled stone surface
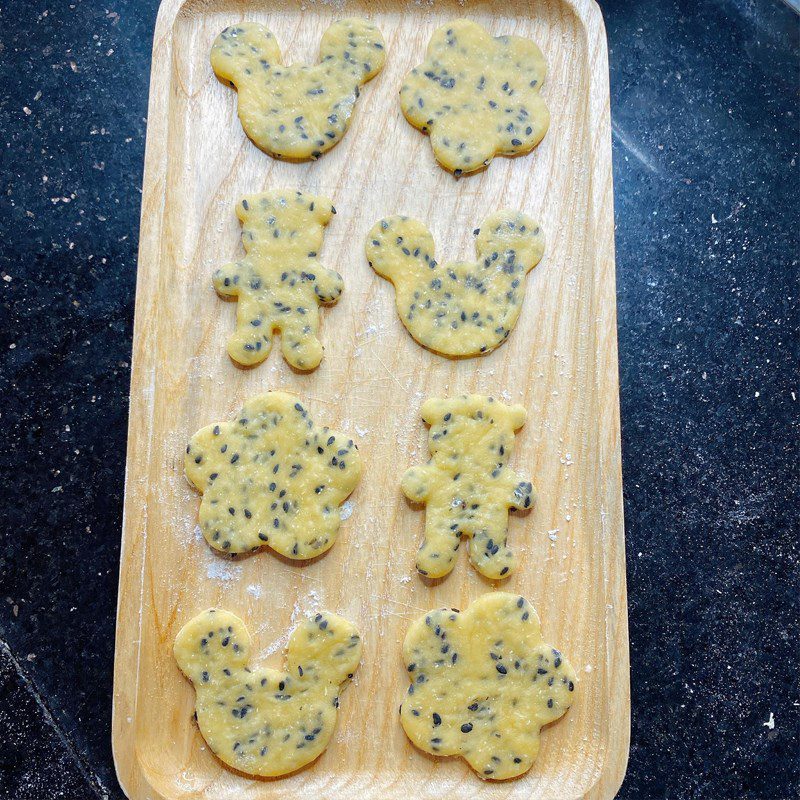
704,98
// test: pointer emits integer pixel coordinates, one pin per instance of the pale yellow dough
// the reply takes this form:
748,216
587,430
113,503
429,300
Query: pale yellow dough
298,111
280,283
272,477
467,485
477,96
461,308
483,683
259,720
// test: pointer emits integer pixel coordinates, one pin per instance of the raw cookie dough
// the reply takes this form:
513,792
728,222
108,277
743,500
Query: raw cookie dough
299,111
467,484
483,683
279,283
259,720
272,477
462,308
477,96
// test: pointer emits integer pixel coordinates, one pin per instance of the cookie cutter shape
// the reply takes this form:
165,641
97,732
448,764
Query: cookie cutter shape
279,284
467,486
483,683
461,308
259,720
477,96
300,111
272,477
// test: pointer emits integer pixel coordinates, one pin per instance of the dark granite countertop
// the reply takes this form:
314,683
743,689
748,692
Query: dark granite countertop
705,127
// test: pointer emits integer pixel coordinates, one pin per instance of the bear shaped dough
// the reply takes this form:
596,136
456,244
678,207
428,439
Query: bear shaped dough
279,283
467,485
272,477
259,720
477,96
483,683
462,308
299,111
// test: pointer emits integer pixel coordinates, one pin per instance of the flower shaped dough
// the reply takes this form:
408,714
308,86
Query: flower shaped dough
477,96
483,683
259,720
272,477
467,484
300,111
279,283
462,308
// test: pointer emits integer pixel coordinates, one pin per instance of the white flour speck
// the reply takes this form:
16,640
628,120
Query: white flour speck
223,570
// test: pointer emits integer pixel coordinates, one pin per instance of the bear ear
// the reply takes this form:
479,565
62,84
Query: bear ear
244,208
434,409
320,208
517,416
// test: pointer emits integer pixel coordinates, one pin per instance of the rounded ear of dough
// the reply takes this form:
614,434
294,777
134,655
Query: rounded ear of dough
400,249
508,230
212,638
327,647
243,47
356,45
263,721
483,683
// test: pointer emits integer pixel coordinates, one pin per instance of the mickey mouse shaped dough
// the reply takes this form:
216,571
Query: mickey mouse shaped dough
279,283
272,477
259,720
483,683
300,111
467,485
462,308
477,96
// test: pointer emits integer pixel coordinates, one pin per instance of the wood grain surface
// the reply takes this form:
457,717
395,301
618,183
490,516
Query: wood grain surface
560,362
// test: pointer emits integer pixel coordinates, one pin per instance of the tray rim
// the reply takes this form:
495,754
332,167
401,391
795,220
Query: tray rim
132,778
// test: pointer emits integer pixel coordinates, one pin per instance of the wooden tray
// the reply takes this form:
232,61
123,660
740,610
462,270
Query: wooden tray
560,362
